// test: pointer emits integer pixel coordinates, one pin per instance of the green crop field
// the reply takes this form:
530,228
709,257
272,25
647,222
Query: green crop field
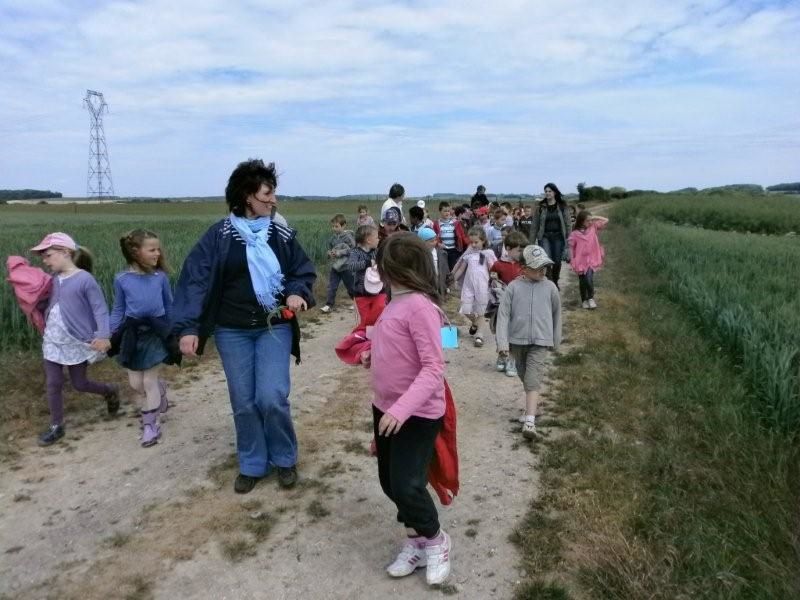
728,212
99,227
740,287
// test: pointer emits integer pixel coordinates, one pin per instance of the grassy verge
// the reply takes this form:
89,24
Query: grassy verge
661,484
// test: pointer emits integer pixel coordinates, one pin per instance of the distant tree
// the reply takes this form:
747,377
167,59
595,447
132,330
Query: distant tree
28,194
617,193
593,193
742,188
785,187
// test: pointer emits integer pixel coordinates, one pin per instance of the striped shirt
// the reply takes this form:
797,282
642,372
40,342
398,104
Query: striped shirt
447,233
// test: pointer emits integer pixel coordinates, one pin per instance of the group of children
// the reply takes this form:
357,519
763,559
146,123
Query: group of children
78,329
397,281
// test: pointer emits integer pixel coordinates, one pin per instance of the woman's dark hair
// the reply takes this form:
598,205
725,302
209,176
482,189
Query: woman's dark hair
396,191
580,220
246,180
363,232
559,199
405,260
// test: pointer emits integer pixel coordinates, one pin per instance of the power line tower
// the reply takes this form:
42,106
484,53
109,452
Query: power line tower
98,181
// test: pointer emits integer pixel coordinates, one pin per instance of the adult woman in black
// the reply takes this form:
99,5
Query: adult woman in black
551,228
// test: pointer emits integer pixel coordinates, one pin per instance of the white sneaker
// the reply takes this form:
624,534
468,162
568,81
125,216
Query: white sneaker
438,561
511,368
529,427
410,558
500,365
585,304
326,309
592,303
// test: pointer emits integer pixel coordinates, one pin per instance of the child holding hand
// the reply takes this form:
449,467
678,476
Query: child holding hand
528,324
76,330
140,324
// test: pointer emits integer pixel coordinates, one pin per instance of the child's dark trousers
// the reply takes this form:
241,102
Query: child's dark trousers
403,460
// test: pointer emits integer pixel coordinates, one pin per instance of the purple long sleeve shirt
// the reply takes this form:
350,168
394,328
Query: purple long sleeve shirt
140,295
83,306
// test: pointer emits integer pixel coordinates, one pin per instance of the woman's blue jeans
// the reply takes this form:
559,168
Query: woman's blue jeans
256,364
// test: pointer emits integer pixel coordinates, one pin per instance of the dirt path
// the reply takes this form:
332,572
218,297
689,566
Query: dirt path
100,517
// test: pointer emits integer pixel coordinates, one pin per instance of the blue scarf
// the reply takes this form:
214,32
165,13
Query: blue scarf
265,270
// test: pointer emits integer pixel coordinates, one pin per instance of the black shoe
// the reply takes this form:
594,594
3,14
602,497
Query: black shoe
52,435
244,484
473,330
287,477
112,401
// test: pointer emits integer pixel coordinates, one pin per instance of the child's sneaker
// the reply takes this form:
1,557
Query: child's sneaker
511,368
52,435
585,304
438,556
500,365
478,341
592,303
411,557
325,309
529,427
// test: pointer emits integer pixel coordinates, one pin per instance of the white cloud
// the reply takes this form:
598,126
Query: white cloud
439,91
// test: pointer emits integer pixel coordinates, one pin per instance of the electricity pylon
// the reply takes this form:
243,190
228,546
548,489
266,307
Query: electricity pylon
98,181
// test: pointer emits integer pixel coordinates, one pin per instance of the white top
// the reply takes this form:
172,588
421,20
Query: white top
60,347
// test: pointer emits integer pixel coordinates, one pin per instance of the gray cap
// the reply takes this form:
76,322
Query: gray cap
535,257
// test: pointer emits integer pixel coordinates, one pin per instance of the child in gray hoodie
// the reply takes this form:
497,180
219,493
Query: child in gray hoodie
528,324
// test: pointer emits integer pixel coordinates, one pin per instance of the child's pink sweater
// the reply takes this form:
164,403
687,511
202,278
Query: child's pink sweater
587,253
407,361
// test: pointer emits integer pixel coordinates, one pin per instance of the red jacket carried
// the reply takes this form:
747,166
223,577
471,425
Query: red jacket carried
443,470
31,287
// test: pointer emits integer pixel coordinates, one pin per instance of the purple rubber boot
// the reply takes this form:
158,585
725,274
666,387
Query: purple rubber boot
164,406
151,430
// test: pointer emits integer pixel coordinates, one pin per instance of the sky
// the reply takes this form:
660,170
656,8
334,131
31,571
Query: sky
349,96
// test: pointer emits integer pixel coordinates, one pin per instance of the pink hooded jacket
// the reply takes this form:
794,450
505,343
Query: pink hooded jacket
587,253
31,287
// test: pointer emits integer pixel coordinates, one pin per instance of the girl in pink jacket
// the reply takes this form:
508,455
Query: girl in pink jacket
587,253
408,406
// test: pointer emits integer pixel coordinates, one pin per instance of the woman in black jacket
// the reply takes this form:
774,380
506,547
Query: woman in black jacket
551,227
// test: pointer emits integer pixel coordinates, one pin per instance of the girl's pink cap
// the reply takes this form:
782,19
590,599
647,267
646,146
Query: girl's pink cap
55,239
